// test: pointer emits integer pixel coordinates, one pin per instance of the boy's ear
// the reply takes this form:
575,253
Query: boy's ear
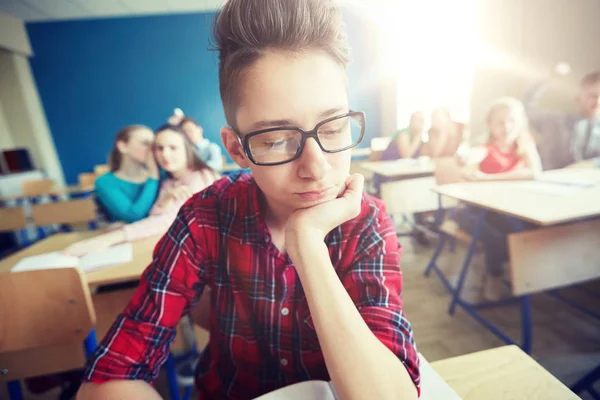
234,147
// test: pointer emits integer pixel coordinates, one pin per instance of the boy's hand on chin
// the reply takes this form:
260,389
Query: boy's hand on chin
316,222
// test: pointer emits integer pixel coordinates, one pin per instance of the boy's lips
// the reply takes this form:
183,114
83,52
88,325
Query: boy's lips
315,194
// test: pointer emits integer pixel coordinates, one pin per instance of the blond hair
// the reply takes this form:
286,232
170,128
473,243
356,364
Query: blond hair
519,114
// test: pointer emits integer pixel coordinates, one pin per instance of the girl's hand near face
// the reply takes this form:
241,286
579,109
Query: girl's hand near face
180,193
473,175
152,166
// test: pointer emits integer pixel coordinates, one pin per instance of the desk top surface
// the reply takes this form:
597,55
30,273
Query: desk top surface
76,189
549,200
400,168
142,255
501,373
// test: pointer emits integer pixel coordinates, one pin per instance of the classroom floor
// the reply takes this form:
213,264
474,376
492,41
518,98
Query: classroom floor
565,342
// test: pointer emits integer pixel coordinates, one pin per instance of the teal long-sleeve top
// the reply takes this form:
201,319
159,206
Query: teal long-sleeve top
126,201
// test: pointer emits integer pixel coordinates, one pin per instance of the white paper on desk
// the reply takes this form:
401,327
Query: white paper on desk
433,386
571,180
111,256
309,390
550,188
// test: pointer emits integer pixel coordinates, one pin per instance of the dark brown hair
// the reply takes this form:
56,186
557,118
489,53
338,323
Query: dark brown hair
115,157
194,162
246,29
590,79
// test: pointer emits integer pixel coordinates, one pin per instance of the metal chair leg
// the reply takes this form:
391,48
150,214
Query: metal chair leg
467,262
14,390
172,377
585,383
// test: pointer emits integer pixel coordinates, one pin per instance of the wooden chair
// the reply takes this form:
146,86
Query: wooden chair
448,171
13,219
45,316
87,179
101,169
39,187
65,213
200,316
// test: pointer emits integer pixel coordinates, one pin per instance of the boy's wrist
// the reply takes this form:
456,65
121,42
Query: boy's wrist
302,244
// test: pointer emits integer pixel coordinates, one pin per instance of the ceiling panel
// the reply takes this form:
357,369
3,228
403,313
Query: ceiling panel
146,6
194,5
63,9
40,10
100,7
21,10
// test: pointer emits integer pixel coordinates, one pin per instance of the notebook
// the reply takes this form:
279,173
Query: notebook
103,258
433,387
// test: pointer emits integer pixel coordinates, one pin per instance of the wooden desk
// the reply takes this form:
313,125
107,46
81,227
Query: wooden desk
564,250
541,203
404,185
400,169
557,255
131,271
67,190
504,373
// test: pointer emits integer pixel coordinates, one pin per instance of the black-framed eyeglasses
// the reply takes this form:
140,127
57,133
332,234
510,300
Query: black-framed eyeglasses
280,145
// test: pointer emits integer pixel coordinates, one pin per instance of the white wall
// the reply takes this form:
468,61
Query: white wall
524,41
13,35
6,141
23,115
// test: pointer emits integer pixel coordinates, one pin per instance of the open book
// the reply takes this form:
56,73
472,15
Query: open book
433,387
103,258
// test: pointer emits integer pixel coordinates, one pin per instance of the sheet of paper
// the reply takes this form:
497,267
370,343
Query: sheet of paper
119,254
45,261
317,390
570,180
111,256
550,188
433,386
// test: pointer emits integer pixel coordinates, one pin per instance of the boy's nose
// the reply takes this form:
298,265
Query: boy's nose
312,162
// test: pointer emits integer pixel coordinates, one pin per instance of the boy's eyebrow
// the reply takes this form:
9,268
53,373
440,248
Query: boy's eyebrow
288,122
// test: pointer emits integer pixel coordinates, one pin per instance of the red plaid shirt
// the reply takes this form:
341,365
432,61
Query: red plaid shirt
262,336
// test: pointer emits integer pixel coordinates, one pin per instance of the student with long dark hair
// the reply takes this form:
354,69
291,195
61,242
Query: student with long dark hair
129,190
186,175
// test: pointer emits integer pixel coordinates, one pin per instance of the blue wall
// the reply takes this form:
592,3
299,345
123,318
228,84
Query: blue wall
96,76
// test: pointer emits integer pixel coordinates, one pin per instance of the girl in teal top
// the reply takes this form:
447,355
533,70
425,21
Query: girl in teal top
128,192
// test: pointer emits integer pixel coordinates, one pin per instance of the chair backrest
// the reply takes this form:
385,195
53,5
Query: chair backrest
87,179
64,212
39,187
41,312
447,170
101,169
12,219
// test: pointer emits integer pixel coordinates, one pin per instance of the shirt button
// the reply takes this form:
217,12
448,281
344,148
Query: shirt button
284,361
266,239
285,311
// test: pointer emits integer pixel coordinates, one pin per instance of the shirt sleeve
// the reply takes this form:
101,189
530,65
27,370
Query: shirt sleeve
538,118
162,217
374,283
122,207
138,343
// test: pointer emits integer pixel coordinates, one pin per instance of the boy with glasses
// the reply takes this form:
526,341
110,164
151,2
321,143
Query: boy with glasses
304,269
